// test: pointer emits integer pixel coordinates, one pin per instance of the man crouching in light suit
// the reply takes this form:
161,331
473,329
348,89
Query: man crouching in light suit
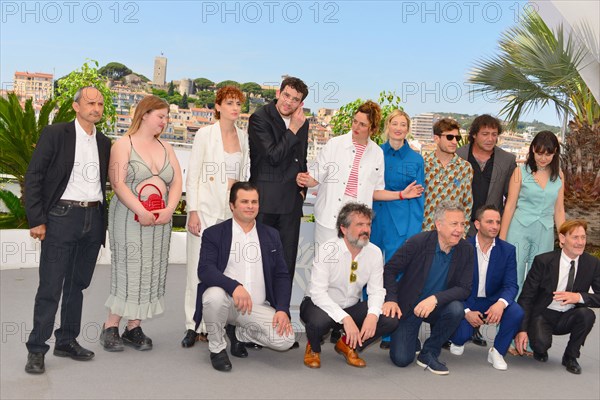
244,281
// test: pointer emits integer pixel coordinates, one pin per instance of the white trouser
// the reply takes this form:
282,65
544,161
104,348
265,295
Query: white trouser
219,310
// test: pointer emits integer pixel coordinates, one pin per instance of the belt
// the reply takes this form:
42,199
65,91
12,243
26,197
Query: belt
82,204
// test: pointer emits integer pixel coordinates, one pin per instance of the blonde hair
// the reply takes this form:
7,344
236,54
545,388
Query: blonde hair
146,106
394,114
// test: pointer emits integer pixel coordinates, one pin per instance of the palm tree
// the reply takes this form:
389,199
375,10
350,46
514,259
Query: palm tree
536,67
19,133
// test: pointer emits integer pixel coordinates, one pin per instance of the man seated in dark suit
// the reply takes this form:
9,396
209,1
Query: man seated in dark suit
556,298
492,299
244,282
438,270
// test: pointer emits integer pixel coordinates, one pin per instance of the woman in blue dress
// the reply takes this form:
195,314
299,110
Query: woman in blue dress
395,221
535,203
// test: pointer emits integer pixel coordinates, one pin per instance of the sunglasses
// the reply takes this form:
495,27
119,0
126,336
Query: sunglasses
451,137
353,268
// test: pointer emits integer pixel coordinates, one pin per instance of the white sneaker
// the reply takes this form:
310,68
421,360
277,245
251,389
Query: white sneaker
497,360
457,350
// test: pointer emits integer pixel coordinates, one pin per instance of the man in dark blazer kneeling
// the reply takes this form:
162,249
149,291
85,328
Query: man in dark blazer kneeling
244,282
438,271
556,298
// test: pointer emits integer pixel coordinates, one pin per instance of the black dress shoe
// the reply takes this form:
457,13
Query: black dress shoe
137,339
238,349
478,339
110,339
190,338
385,345
73,350
542,357
220,361
35,363
571,364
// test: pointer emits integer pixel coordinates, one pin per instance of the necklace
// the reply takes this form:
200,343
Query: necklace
542,168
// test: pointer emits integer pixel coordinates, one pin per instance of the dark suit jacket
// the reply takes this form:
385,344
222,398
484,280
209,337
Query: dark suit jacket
414,259
501,277
542,280
50,169
276,158
214,255
504,165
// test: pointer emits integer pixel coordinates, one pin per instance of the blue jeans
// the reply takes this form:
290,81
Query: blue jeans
67,262
443,321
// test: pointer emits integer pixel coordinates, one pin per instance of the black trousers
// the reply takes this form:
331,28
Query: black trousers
67,261
318,323
288,226
577,321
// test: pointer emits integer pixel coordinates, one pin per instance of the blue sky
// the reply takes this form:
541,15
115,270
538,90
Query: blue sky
343,50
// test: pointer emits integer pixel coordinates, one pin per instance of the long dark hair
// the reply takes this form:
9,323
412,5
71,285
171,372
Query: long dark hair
545,142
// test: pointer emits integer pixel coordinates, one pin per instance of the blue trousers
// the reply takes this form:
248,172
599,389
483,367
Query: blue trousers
509,325
443,321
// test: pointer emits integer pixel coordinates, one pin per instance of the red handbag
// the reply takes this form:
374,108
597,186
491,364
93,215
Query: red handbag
153,202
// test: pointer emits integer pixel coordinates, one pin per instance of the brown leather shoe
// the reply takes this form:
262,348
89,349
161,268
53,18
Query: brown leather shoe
311,359
350,354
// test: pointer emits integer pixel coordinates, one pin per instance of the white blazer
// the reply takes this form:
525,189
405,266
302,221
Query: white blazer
332,170
206,185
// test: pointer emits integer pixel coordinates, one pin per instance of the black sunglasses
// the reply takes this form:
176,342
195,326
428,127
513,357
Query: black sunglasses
451,137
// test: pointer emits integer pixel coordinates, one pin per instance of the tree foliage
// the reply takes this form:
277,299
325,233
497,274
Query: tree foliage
203,84
341,122
88,75
536,67
228,83
114,70
184,101
205,99
19,132
251,88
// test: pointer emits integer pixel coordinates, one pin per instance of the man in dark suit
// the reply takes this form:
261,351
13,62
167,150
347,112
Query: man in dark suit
243,282
492,299
438,271
65,204
556,298
492,169
278,135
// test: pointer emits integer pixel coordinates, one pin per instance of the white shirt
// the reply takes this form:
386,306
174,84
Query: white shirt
84,182
330,288
483,262
332,171
563,277
245,262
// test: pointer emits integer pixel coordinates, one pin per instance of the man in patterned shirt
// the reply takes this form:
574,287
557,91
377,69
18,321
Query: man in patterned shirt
447,176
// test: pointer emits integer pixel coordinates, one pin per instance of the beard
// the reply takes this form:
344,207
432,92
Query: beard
360,241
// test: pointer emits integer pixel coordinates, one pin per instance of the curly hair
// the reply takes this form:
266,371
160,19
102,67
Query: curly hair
373,112
228,92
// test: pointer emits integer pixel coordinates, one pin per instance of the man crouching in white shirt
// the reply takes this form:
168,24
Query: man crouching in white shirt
341,269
